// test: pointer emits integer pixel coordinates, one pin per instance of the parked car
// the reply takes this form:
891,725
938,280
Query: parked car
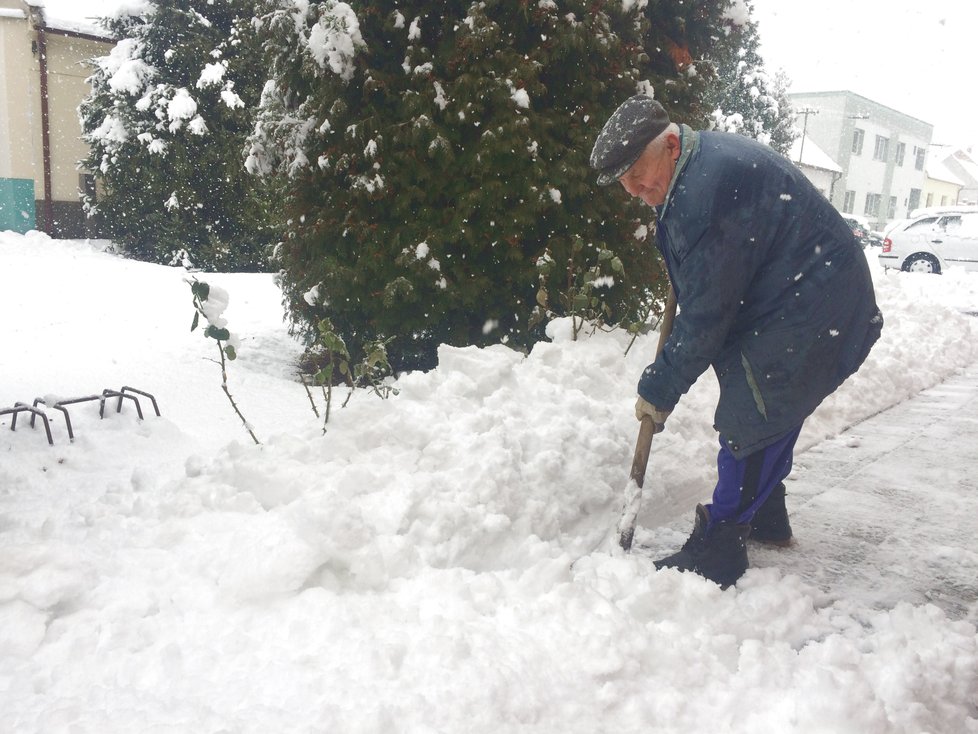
862,231
873,239
946,209
932,242
859,226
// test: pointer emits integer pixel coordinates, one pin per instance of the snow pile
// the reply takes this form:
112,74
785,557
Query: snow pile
411,569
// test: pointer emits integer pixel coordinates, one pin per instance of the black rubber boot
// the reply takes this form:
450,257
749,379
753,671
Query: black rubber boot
770,523
718,554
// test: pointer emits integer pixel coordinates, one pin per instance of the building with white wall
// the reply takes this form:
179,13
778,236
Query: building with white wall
882,152
43,73
815,163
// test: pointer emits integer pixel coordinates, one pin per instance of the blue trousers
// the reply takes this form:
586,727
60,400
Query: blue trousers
744,484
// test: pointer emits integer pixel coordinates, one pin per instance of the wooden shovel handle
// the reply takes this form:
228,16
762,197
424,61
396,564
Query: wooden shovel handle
640,461
668,317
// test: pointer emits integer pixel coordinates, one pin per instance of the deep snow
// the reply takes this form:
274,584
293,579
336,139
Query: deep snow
410,571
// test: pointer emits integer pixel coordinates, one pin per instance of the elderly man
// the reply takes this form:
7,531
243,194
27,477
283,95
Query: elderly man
774,293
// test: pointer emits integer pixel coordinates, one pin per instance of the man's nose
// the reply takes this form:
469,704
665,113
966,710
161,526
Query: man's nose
629,186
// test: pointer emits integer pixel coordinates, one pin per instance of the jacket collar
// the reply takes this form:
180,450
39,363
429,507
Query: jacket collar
689,141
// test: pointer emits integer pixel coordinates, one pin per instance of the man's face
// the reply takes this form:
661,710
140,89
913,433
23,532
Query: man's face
648,179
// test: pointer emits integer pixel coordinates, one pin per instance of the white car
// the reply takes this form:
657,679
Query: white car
932,242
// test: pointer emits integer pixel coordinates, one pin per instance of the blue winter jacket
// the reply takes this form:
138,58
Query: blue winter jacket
773,290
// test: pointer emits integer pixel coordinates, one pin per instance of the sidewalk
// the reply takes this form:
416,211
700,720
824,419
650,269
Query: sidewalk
888,511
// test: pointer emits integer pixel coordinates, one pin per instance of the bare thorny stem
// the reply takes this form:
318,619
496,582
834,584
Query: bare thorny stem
199,305
657,325
224,387
302,379
328,395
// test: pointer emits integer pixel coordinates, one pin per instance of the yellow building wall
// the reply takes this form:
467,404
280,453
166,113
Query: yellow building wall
20,106
21,139
17,98
67,74
939,193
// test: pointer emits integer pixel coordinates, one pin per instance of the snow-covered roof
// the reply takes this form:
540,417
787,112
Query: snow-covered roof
966,162
937,171
76,26
812,155
86,27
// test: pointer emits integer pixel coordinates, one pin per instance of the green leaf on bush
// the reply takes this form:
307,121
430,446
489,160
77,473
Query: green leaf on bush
230,352
200,289
325,375
542,297
196,322
334,344
214,332
376,356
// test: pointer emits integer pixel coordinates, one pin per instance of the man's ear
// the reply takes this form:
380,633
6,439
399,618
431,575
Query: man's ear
673,145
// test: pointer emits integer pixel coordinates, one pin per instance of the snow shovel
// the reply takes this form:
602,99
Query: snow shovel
640,461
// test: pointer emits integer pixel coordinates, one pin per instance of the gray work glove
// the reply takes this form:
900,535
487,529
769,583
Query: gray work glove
644,408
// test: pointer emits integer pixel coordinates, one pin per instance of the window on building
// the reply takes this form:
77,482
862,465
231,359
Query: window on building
943,201
914,201
930,200
873,205
857,141
919,155
891,208
882,148
850,202
901,151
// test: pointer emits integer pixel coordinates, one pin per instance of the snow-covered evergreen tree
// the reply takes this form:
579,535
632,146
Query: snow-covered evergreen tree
166,120
682,39
437,150
745,98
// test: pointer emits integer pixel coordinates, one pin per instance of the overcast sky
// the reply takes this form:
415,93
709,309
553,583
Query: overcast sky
920,58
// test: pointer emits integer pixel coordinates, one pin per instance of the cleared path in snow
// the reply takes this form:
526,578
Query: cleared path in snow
888,511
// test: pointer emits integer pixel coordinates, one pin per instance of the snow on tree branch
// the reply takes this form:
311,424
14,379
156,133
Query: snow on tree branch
170,107
307,41
124,69
335,39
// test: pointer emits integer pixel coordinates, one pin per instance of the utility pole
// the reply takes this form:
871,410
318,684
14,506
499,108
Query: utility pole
806,111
